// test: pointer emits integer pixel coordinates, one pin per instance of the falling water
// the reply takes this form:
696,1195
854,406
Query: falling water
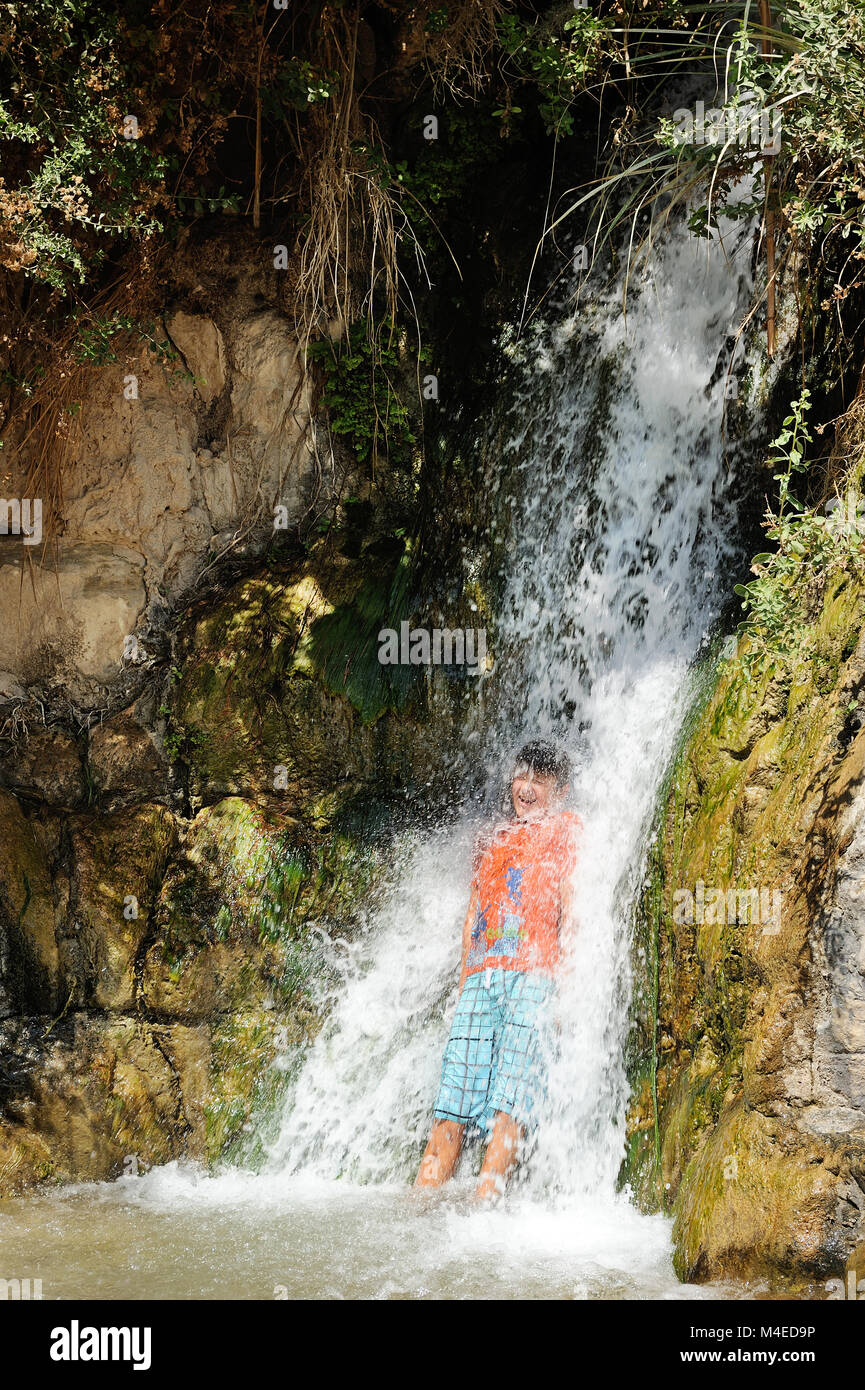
625,530
616,534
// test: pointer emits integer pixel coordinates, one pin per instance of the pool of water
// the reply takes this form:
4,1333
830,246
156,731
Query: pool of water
177,1233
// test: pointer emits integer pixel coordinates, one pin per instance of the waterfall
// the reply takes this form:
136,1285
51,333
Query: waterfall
614,533
616,525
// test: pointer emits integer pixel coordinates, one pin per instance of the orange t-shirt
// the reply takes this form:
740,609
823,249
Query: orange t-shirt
518,883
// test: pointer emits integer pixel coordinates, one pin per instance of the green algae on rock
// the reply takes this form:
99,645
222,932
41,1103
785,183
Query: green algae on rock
279,692
749,1123
176,968
237,905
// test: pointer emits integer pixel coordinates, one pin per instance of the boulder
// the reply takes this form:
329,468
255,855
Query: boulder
124,760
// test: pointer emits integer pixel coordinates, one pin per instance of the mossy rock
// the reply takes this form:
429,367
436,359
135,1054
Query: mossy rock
251,1073
757,1201
725,1003
236,909
30,979
281,693
118,864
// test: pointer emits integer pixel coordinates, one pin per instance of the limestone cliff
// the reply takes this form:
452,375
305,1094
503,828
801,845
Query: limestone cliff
177,452
202,757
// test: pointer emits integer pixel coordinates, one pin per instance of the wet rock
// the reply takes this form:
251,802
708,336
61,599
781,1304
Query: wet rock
47,765
245,1081
839,946
282,696
124,760
118,864
756,1202
236,907
91,1098
30,976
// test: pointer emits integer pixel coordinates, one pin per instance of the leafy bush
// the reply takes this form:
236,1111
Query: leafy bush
71,180
360,393
558,63
814,545
811,89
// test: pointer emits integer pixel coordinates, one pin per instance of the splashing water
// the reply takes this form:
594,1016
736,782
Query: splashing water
624,539
619,531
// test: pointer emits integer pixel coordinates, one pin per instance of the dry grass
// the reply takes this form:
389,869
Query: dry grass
45,426
458,60
357,225
348,246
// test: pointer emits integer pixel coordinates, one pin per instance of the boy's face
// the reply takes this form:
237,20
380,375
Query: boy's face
535,794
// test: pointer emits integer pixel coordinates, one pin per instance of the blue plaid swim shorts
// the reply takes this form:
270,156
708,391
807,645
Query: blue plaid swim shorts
495,1056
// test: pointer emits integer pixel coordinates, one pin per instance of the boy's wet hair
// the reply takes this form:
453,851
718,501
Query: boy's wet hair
545,759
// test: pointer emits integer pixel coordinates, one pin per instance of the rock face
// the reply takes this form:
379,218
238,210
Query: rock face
94,1098
180,450
164,879
749,1047
157,930
168,875
202,347
150,973
201,756
194,776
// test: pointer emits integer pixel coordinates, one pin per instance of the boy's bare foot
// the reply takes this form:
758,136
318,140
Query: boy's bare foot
500,1157
490,1190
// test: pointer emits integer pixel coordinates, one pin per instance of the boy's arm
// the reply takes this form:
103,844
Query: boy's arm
467,934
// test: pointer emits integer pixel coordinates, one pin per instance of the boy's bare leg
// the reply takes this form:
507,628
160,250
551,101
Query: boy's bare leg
441,1154
500,1157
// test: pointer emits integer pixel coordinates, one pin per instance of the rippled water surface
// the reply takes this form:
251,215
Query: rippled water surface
176,1234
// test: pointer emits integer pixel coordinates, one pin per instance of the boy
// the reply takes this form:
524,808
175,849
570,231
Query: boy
520,898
